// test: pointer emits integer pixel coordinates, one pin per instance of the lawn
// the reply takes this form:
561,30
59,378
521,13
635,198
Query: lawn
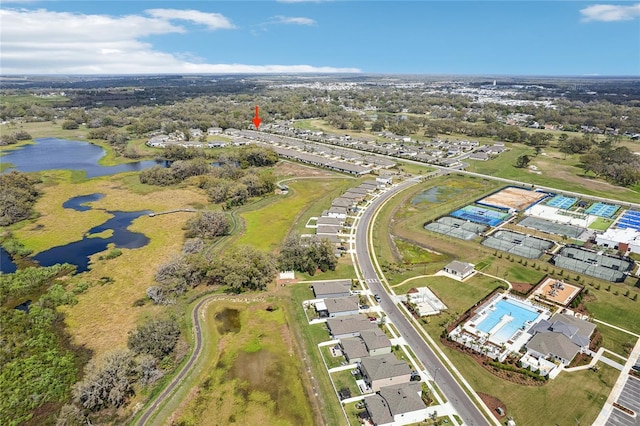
617,341
601,224
555,171
267,227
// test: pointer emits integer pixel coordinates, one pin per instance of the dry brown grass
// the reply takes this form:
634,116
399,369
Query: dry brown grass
105,313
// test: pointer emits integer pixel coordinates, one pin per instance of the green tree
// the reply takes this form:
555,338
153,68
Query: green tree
523,161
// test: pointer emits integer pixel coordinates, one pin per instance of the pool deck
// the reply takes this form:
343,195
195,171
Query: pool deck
515,341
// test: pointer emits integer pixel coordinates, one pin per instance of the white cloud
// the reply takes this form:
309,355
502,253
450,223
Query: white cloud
213,21
291,20
610,12
47,42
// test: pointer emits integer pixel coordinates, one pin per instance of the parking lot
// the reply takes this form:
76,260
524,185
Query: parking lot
629,398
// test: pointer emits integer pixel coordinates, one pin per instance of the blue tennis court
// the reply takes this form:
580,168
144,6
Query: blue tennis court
602,209
562,202
480,215
630,220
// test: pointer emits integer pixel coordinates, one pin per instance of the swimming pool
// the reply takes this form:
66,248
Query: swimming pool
504,317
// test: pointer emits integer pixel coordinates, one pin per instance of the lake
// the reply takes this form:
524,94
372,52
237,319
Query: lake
63,154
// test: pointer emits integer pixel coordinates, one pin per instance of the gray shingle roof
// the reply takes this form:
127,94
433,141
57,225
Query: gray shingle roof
375,339
342,304
391,401
349,324
331,287
354,347
553,344
384,366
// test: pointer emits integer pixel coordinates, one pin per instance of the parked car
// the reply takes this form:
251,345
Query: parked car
377,297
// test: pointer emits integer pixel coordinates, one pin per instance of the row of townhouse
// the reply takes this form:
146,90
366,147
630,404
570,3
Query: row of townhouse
395,398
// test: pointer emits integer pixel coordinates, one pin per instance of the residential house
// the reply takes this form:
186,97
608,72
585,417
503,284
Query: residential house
214,130
331,289
384,370
341,306
397,405
349,326
369,343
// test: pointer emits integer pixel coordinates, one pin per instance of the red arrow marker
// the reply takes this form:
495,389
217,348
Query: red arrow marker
256,119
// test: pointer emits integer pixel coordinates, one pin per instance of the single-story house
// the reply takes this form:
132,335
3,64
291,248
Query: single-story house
338,212
369,343
331,289
328,230
384,370
460,270
397,405
349,326
331,221
341,306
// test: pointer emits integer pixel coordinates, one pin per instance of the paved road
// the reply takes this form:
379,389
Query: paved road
445,381
197,331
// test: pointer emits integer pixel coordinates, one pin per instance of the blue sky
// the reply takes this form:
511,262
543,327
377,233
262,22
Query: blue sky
413,37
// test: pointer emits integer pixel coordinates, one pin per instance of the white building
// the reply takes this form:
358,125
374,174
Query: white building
621,239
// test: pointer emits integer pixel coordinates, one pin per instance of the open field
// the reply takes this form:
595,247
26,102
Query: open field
554,170
274,221
242,383
28,100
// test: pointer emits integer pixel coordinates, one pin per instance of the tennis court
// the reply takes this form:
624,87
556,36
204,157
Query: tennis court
480,215
591,263
602,209
518,244
629,220
455,228
562,202
551,227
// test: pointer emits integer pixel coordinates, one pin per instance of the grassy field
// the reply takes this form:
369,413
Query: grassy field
310,336
243,381
28,100
273,222
555,171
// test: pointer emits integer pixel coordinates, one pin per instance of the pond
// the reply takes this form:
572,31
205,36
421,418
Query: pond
78,252
437,194
79,203
228,321
62,154
6,264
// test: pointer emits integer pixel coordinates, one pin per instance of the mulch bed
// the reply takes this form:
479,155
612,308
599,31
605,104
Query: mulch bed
522,288
493,403
511,376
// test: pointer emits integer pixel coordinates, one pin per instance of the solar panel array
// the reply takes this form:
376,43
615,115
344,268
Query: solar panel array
630,220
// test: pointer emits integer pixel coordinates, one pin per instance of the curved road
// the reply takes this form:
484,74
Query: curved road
197,329
463,404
